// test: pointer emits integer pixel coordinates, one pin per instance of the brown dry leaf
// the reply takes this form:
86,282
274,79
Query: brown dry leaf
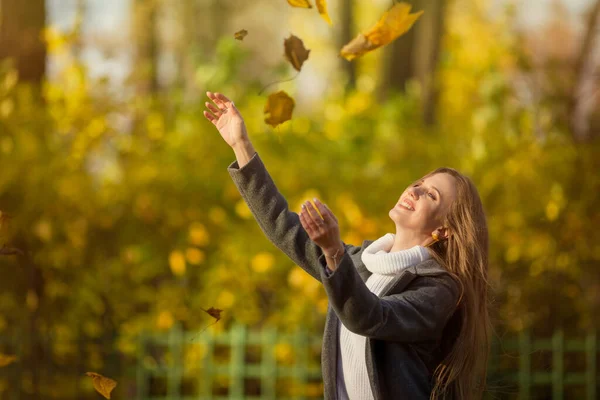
102,384
239,35
394,22
214,312
300,3
280,106
295,51
322,7
6,359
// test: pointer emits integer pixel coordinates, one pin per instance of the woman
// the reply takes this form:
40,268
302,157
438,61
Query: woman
408,313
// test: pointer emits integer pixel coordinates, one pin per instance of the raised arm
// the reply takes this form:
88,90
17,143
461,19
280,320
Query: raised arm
270,209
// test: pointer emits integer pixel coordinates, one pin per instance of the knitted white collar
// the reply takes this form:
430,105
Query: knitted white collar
379,260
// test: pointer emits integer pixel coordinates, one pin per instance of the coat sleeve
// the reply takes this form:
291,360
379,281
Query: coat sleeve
418,313
270,209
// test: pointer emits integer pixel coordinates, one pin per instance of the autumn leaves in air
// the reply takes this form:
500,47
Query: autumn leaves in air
394,22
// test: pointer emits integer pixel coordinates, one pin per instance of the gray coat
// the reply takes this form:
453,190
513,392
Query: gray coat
404,326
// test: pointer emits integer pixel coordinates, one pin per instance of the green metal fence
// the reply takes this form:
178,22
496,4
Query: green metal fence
520,368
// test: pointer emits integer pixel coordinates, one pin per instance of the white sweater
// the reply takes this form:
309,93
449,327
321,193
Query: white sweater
352,377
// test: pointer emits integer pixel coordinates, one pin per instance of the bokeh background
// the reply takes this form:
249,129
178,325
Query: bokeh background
114,187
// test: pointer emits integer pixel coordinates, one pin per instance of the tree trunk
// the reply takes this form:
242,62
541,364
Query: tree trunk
415,54
346,35
428,58
144,34
583,97
21,26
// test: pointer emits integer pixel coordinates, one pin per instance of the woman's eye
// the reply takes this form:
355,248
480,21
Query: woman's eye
432,196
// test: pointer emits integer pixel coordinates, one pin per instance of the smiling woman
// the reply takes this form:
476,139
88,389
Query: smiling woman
408,315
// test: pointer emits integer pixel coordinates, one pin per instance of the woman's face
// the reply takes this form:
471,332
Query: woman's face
428,200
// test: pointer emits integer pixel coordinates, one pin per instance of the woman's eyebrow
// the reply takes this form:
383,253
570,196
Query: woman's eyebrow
436,189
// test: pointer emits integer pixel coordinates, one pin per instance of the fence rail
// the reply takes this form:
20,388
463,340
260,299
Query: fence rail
239,363
505,378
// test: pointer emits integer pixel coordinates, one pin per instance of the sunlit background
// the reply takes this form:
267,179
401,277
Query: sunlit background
121,227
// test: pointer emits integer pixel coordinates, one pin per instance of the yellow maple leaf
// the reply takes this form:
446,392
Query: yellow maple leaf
322,7
239,35
300,3
6,360
280,107
394,22
102,384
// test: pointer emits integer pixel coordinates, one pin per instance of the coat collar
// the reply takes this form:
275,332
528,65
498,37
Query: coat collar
427,267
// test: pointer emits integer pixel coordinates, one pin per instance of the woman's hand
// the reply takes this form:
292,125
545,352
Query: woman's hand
325,232
226,117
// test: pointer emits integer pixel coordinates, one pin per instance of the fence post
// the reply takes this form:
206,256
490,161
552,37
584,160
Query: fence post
268,381
175,371
557,365
301,362
236,363
524,364
141,381
590,373
206,378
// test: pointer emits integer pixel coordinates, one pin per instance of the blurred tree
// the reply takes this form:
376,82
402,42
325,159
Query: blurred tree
21,26
145,39
346,34
415,56
21,39
584,94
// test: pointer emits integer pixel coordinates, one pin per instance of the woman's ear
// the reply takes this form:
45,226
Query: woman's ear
442,232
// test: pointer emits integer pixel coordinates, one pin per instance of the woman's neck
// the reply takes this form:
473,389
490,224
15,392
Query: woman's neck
405,240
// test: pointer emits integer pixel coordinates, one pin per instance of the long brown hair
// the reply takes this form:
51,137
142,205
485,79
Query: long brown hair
463,370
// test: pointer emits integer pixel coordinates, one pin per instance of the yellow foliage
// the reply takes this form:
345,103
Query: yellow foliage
177,263
241,209
262,262
31,300
226,299
296,277
6,359
217,215
284,353
165,320
322,305
198,235
552,210
194,256
43,230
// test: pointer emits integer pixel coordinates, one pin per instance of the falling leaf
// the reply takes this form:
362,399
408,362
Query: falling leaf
102,384
295,51
300,3
240,34
6,360
280,107
395,22
213,312
322,7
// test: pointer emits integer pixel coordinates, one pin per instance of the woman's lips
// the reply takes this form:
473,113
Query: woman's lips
402,207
